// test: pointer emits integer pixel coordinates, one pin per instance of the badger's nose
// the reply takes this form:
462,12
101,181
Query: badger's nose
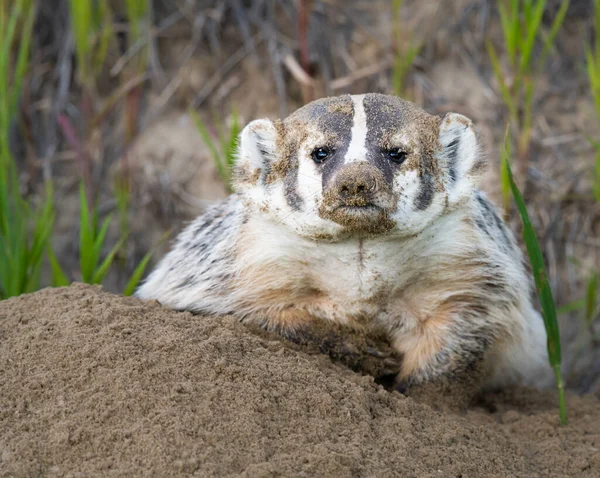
355,183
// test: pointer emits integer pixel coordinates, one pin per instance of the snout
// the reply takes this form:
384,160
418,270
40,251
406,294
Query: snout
359,199
355,188
356,184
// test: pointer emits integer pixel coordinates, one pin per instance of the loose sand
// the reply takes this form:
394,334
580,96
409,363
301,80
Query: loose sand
93,384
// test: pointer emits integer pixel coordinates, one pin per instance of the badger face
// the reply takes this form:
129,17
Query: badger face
366,164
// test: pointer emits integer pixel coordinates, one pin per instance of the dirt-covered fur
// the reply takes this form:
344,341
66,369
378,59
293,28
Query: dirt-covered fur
363,212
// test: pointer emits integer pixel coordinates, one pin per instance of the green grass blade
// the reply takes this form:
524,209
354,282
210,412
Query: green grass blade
591,68
543,290
506,94
571,307
105,32
101,272
33,278
206,137
22,55
41,237
136,11
528,6
100,238
141,267
515,22
59,278
533,25
507,30
526,126
8,34
86,238
556,24
80,12
19,259
43,225
136,277
504,179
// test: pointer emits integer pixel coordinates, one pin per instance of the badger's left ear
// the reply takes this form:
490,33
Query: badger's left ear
459,157
257,151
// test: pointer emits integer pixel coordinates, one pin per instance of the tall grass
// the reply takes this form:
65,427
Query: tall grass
592,55
24,230
137,16
91,24
405,51
543,289
92,240
506,154
222,144
138,21
522,29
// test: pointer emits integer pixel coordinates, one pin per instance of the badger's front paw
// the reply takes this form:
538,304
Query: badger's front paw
363,353
381,361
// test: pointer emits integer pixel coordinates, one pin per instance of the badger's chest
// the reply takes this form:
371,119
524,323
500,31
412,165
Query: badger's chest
351,279
355,271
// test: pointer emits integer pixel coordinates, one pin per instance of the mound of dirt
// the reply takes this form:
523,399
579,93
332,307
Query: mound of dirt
95,384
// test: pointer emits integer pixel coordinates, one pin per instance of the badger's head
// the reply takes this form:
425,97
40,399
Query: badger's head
366,164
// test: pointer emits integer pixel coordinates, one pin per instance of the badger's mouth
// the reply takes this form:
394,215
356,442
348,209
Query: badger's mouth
368,209
368,217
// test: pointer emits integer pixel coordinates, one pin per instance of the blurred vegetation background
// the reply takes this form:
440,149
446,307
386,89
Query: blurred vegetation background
118,121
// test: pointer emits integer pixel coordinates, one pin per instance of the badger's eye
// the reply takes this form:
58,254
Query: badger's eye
320,154
396,155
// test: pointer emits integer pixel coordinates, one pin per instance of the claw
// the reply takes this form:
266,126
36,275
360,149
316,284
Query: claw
377,353
392,363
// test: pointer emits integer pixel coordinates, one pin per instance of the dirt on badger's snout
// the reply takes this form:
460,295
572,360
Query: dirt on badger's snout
93,384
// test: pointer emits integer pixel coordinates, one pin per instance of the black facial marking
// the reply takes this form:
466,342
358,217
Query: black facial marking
333,116
426,192
386,116
452,152
290,183
383,119
329,168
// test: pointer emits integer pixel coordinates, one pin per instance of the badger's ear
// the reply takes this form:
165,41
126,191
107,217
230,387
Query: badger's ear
459,157
256,152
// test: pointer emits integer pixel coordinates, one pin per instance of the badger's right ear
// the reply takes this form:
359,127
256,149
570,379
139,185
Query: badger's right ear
459,156
257,151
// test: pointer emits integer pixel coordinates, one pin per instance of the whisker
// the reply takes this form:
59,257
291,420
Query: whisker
310,177
299,212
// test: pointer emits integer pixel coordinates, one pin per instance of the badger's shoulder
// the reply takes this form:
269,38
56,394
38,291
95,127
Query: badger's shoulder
201,262
490,225
472,240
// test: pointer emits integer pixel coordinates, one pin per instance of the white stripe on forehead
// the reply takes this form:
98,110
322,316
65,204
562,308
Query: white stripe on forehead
357,149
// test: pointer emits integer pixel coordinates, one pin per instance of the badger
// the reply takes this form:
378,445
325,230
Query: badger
362,212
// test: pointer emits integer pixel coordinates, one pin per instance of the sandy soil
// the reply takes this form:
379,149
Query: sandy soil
94,384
